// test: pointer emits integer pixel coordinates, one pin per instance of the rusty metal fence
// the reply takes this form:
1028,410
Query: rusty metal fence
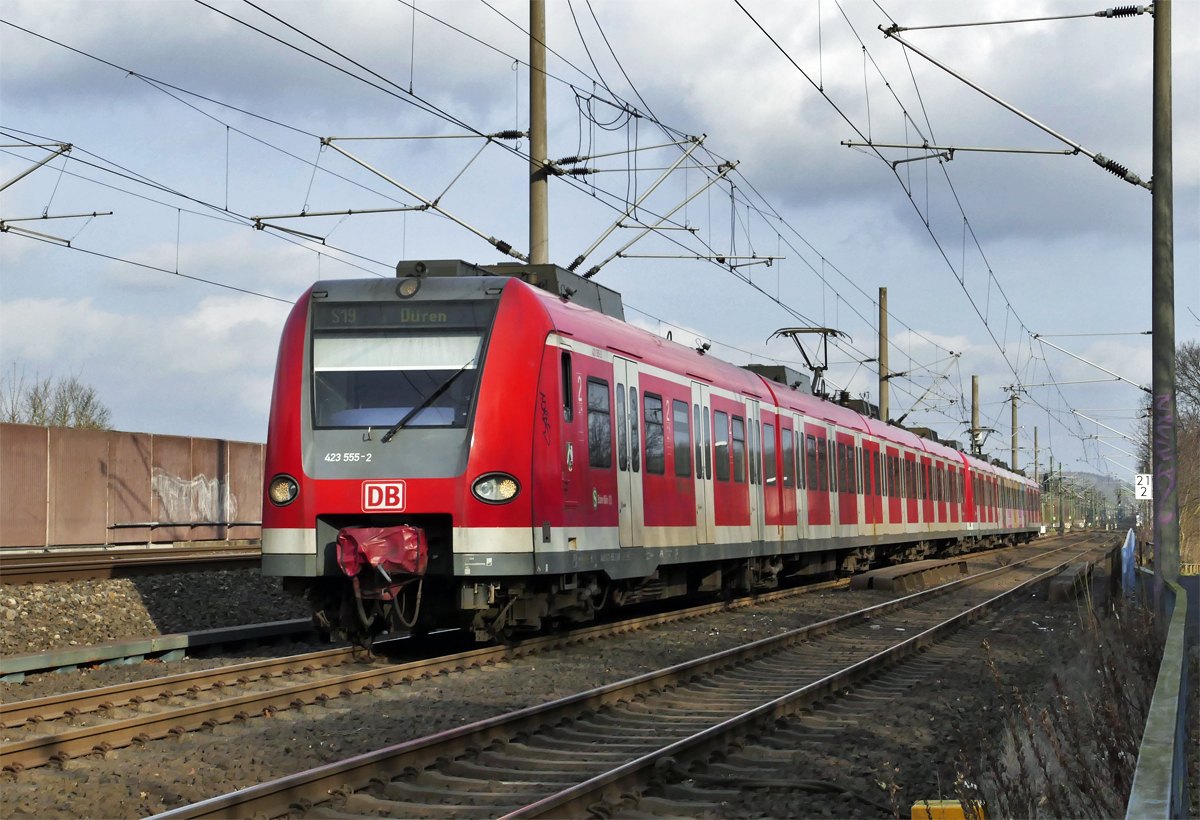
67,487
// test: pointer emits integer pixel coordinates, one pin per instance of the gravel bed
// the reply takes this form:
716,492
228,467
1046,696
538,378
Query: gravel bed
135,782
41,617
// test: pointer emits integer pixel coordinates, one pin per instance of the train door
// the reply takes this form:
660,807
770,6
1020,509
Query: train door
925,479
847,479
801,497
817,474
702,438
754,447
787,482
871,485
629,453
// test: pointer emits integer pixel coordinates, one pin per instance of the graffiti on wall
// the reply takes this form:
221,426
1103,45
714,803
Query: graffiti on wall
193,500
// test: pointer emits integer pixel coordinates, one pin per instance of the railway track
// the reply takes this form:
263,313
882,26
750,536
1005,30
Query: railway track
84,564
582,754
60,727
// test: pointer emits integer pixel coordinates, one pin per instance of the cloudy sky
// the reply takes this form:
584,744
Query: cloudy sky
188,118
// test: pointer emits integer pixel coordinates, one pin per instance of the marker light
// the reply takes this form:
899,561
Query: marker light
282,490
496,488
408,287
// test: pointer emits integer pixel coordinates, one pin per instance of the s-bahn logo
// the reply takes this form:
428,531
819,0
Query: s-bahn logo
383,495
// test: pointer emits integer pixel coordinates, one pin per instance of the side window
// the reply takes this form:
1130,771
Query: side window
635,455
683,441
768,455
699,443
823,468
707,449
599,424
789,458
810,453
852,463
739,450
622,438
875,470
568,406
841,468
800,483
721,445
755,450
656,447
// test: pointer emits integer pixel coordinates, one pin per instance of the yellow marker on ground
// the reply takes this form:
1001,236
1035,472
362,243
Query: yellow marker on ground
943,810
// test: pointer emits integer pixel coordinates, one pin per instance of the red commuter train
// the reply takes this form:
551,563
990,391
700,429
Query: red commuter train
495,448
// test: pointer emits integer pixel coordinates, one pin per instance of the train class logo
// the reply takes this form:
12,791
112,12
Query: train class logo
383,495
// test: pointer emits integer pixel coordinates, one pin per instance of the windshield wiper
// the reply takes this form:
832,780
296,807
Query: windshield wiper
434,396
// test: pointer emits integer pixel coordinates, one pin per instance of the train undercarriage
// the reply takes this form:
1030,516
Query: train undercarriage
504,609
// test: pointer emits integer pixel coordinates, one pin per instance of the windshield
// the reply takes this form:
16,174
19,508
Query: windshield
366,377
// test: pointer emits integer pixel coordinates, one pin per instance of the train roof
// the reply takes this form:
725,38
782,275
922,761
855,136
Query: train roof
580,307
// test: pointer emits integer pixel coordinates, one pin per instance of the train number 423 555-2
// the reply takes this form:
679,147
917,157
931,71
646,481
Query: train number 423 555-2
348,456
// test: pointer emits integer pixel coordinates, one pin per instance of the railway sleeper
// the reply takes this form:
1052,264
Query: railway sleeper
478,771
366,804
435,778
480,795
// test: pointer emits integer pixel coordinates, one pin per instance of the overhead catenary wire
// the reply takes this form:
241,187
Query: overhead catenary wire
908,192
777,300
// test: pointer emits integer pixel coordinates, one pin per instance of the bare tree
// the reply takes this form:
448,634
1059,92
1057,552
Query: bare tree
45,401
1187,378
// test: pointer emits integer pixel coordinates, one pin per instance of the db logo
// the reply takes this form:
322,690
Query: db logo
383,495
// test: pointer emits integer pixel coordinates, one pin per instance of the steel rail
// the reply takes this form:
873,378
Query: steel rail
73,704
65,565
37,751
342,777
576,800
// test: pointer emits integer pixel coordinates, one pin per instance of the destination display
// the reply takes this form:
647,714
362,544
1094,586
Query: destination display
395,315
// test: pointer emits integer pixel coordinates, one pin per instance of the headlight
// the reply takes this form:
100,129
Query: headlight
282,490
496,488
408,287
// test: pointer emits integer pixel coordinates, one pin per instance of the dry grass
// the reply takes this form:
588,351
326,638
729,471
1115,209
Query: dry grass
1073,753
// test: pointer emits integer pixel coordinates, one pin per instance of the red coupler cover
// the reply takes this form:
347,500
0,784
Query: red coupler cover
398,550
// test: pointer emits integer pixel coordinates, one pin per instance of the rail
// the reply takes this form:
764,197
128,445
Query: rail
1160,781
638,717
76,564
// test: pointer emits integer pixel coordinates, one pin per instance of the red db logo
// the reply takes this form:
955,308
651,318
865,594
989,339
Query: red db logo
383,495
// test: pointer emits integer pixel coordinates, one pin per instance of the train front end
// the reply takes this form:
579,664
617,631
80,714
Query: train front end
378,469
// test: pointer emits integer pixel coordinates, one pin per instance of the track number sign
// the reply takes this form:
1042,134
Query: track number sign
383,495
1143,487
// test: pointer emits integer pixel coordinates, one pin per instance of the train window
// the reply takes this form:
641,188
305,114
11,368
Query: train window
376,378
924,468
800,480
789,458
568,406
683,439
875,472
622,437
751,441
810,453
823,469
599,424
699,443
845,468
656,447
707,450
738,446
635,455
852,470
769,455
721,444
756,453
